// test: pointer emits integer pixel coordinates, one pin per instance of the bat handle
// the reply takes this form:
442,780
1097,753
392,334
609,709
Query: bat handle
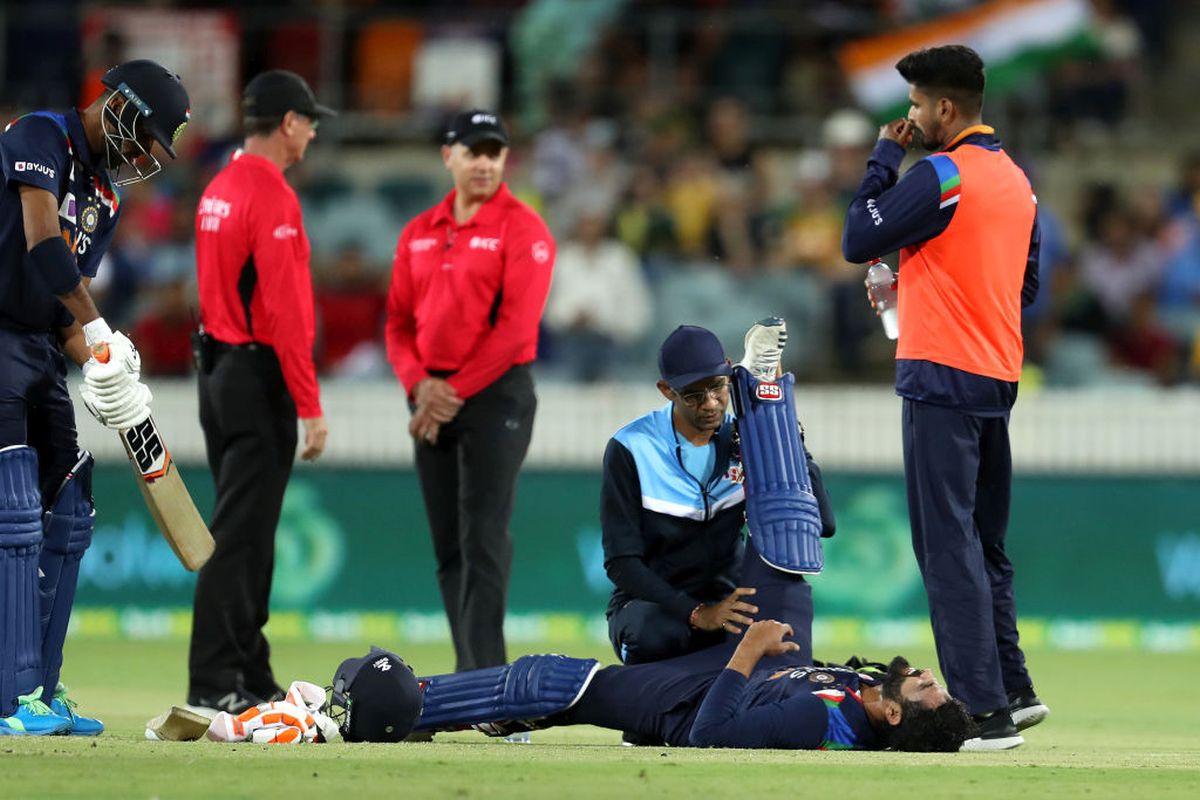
100,352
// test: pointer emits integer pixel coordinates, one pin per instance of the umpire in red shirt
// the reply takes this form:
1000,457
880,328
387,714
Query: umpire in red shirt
255,354
469,282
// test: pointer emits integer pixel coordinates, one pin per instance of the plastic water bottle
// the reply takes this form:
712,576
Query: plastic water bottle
881,288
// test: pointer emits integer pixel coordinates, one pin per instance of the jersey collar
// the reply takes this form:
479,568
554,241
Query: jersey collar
986,130
489,212
78,137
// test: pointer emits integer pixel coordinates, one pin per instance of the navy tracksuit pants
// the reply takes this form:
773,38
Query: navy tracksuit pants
661,698
958,470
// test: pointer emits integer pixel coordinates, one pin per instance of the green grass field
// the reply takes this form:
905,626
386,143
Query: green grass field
1123,725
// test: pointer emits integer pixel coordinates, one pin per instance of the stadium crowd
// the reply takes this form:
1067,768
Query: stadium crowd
706,171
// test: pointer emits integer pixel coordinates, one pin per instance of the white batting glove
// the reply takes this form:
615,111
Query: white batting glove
134,409
113,396
101,339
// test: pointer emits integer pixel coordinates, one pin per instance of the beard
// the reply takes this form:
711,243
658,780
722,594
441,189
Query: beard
928,143
897,671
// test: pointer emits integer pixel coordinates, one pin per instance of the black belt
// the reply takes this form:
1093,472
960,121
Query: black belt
249,347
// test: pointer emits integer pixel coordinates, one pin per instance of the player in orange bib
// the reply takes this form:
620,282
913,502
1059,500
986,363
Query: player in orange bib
965,221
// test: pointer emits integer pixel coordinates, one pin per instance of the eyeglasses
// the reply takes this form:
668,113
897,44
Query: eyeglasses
717,391
313,122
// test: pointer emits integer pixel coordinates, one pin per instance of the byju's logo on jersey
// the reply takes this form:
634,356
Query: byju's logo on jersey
769,391
33,166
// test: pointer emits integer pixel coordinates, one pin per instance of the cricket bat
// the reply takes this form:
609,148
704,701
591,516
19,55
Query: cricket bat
163,490
165,495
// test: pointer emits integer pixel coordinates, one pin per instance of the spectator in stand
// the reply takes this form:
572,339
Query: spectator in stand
1121,265
166,330
599,302
351,305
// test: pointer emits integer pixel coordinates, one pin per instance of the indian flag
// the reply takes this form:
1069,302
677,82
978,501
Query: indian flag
1015,38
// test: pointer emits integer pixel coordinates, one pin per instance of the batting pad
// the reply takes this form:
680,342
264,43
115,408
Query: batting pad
68,533
530,688
20,543
781,510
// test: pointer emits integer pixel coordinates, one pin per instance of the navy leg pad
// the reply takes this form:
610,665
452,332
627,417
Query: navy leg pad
782,513
20,543
68,526
530,688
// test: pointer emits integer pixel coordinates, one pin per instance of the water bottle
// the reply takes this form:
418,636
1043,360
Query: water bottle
881,288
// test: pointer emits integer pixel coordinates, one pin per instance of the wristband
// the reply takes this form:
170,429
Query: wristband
97,331
55,264
694,617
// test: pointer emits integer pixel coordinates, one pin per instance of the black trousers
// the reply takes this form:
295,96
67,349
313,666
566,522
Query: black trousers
641,631
958,471
469,481
249,422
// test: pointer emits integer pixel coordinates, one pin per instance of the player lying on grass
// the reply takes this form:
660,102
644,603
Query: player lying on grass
749,691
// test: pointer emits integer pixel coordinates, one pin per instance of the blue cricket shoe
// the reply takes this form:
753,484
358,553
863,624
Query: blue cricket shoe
64,706
34,718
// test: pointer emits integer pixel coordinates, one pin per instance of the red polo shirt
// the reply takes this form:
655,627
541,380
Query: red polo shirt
252,267
467,299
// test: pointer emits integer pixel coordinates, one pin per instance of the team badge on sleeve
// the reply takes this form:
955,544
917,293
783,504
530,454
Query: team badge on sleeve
541,252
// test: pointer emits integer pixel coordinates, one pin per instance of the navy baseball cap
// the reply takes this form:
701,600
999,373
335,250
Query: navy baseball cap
277,91
158,95
469,128
691,354
380,695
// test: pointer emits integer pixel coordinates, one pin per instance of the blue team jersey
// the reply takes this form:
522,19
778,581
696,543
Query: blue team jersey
49,150
794,708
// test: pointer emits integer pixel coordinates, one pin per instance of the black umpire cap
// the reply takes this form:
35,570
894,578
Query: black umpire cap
380,696
469,128
275,92
157,94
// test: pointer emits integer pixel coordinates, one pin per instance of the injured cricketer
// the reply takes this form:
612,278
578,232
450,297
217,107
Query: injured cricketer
757,690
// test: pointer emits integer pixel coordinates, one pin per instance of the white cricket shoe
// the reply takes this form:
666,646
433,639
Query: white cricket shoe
764,348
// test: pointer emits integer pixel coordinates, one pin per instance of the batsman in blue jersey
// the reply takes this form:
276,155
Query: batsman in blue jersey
58,210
